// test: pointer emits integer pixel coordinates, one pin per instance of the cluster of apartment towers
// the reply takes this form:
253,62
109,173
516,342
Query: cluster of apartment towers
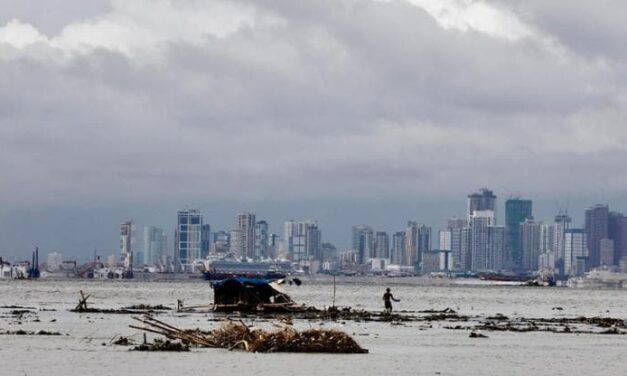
478,244
249,240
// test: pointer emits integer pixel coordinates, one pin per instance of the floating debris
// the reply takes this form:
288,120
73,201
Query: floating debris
160,345
122,341
577,325
474,334
148,307
237,335
22,332
81,307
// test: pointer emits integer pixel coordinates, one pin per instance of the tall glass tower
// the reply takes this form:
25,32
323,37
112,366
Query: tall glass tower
188,238
516,212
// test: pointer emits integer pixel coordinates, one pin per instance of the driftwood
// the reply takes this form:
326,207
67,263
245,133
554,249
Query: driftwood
234,335
82,302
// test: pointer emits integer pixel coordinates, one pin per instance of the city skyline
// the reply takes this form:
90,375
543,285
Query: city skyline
435,236
333,234
342,111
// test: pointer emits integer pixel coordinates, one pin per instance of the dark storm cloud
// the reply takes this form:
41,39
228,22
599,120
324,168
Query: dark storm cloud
154,101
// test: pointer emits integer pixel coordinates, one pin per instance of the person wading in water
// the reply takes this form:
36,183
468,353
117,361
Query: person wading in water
387,298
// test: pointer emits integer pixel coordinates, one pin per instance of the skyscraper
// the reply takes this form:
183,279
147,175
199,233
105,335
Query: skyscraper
560,226
363,241
575,252
205,241
261,240
187,238
235,243
444,237
482,200
617,231
411,244
127,241
245,225
530,244
487,242
546,237
302,240
155,245
456,228
398,248
607,253
516,211
597,220
424,242
382,245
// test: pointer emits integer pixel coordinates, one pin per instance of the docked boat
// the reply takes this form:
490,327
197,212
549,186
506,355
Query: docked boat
599,279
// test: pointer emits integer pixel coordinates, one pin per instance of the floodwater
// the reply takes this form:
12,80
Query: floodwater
416,348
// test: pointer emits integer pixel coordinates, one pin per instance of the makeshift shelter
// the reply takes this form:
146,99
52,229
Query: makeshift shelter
250,292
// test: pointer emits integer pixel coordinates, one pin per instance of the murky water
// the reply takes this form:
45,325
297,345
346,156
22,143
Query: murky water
415,348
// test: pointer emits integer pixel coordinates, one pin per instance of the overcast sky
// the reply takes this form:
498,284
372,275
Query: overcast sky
344,111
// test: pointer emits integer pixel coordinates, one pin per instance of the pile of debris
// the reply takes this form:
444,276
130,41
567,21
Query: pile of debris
237,335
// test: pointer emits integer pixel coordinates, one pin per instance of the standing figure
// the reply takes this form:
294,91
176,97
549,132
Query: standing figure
387,298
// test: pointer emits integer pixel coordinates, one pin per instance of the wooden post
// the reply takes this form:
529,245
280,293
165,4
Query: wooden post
333,290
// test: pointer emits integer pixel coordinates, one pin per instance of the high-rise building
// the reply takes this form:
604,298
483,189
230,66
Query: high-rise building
245,225
530,239
516,212
457,223
127,242
607,253
455,228
465,247
444,237
487,241
187,238
205,241
480,201
617,231
221,242
302,240
398,248
560,226
261,240
363,241
546,237
155,245
235,243
274,241
575,252
411,244
424,242
597,220
382,245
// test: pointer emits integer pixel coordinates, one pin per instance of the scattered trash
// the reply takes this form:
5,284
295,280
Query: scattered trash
474,334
